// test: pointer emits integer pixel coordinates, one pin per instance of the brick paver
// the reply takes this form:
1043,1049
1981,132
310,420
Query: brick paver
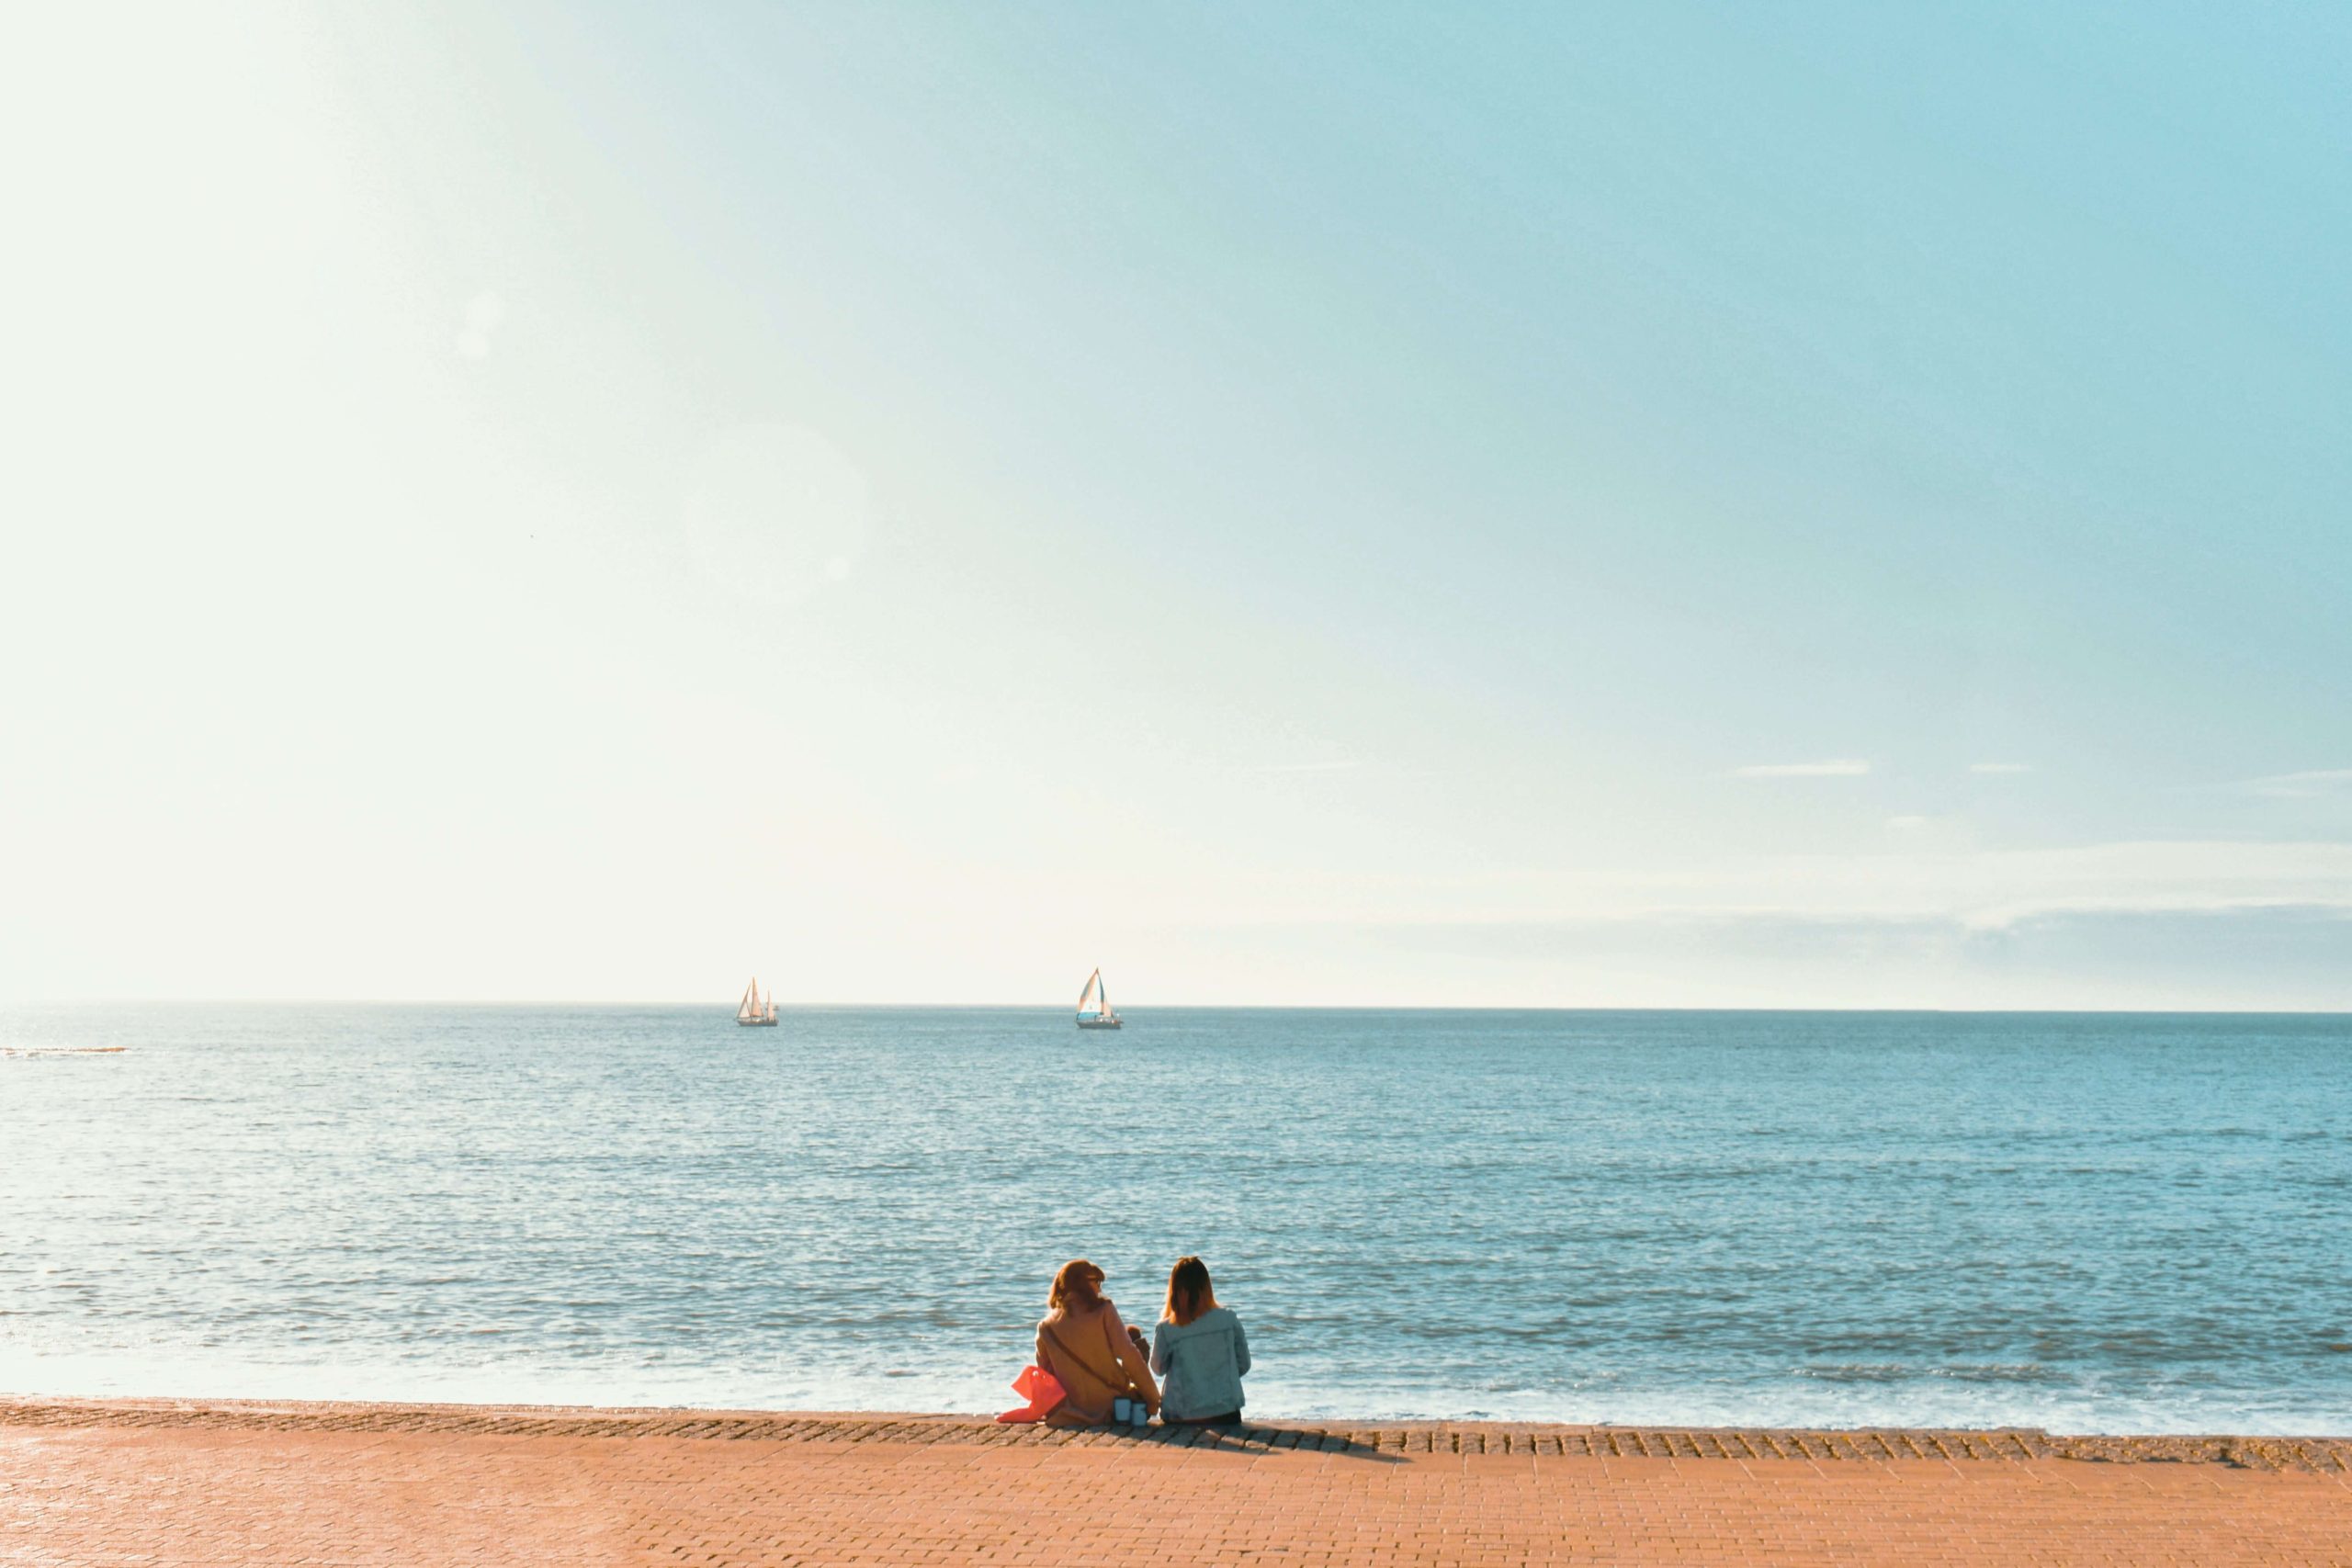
93,1483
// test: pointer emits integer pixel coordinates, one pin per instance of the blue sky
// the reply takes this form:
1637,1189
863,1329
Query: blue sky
1643,505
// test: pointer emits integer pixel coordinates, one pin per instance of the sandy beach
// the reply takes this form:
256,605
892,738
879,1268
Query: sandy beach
105,1482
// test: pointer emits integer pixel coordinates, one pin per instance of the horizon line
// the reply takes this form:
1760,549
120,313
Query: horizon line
723,1009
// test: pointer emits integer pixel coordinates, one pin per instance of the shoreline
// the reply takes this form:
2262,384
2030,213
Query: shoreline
2315,1453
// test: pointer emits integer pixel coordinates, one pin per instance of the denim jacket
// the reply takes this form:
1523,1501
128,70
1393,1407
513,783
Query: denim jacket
1200,1364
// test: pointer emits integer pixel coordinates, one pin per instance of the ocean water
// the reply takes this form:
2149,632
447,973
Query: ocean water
2085,1223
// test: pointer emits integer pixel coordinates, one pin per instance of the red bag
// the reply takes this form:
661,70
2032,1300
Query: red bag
1041,1389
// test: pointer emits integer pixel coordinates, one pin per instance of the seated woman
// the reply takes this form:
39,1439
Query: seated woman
1095,1358
1199,1348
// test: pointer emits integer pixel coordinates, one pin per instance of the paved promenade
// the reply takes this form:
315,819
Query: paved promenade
95,1482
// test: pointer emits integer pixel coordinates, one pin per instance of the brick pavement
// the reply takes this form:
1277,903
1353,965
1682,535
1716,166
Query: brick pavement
99,1483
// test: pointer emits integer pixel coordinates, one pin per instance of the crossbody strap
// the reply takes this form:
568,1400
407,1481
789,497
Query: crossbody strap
1120,1380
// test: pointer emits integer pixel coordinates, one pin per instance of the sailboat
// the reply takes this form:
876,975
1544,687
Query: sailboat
1094,1005
753,1013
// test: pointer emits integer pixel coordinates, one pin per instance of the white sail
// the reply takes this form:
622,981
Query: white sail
757,1009
1094,1005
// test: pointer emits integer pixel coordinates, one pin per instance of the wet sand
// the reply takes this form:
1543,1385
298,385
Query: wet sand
104,1482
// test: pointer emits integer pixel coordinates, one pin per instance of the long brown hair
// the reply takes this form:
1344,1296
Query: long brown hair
1077,1288
1189,1294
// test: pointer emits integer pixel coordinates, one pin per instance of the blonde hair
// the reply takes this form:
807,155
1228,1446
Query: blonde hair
1189,1293
1078,1285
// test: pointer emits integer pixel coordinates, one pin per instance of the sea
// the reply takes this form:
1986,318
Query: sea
2085,1223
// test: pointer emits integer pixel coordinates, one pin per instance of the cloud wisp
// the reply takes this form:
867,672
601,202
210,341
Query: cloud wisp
2309,785
1834,768
1335,767
1973,888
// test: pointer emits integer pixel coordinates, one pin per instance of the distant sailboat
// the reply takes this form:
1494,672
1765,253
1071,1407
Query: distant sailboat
1094,1005
753,1013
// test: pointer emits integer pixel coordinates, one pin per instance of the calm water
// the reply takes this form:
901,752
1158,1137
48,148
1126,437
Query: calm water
2084,1223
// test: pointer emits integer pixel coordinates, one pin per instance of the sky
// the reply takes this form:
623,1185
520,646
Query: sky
1636,505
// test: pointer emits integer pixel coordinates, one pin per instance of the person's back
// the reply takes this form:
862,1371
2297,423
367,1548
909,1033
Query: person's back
1198,1350
1095,1357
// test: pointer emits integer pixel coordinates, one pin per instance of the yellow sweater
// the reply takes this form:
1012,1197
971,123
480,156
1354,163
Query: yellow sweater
1090,1354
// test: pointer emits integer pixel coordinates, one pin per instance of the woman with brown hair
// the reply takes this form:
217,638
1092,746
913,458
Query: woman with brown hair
1199,1347
1095,1358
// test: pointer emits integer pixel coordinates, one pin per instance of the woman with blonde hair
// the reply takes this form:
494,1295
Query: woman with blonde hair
1097,1358
1199,1348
